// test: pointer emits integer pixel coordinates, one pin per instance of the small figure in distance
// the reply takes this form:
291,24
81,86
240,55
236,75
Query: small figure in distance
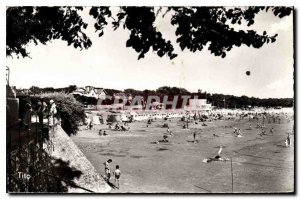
288,141
272,131
169,131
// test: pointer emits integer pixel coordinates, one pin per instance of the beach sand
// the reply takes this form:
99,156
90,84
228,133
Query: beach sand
261,164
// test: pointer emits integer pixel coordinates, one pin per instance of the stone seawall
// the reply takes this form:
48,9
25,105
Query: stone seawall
64,148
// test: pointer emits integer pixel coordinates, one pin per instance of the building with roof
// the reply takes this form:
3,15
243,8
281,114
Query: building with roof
198,105
90,91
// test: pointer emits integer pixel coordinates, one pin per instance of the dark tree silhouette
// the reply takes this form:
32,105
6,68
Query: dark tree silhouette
71,88
166,90
196,27
43,24
216,99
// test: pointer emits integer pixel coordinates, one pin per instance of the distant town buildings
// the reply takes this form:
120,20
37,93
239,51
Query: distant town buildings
120,95
198,105
90,91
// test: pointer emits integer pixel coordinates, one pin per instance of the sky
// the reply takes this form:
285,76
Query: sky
109,64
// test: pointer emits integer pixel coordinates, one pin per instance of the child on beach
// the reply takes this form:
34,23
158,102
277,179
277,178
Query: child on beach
169,131
104,133
272,131
117,174
107,170
88,123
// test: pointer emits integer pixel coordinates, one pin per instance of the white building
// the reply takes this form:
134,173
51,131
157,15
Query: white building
198,105
89,91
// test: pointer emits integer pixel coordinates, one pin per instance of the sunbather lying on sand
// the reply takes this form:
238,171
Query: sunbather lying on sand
216,158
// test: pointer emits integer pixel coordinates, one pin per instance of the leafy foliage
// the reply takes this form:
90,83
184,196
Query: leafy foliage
111,92
43,24
133,92
69,110
100,14
232,101
196,27
36,90
217,99
200,26
85,100
143,33
166,90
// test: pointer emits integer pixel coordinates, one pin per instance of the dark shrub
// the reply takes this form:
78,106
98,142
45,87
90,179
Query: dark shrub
69,110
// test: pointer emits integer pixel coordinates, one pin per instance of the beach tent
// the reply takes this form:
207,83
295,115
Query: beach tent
124,118
96,120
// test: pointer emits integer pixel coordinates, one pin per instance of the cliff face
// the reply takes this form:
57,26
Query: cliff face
65,149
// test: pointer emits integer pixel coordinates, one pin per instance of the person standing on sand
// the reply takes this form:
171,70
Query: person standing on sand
52,113
117,174
169,131
288,141
89,125
107,170
272,130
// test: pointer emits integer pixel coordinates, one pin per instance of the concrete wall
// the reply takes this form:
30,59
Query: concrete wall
65,149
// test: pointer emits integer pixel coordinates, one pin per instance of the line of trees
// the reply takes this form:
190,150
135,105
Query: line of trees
217,100
34,90
196,28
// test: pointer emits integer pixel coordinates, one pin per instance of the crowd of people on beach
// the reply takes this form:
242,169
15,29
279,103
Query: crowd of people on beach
261,120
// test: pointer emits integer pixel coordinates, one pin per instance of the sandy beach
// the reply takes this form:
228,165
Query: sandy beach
260,164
